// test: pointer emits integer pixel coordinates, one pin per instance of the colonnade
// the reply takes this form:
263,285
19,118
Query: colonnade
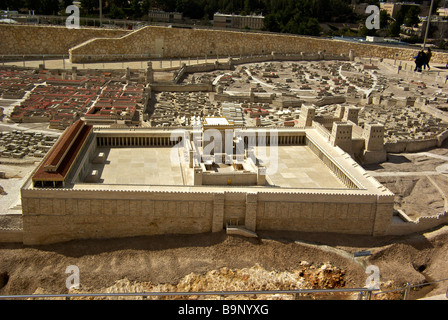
342,176
135,142
166,141
279,140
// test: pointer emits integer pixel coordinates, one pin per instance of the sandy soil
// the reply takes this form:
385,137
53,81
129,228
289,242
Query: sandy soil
417,194
16,173
169,259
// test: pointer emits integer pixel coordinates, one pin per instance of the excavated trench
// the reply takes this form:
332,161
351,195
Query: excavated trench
427,285
4,278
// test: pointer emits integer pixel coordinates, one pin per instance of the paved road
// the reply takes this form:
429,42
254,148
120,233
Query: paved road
156,64
8,127
441,169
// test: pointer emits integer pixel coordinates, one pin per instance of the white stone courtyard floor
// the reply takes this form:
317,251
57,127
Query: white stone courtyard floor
291,167
299,167
139,166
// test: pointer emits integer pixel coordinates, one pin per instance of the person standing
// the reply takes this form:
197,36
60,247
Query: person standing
428,58
419,61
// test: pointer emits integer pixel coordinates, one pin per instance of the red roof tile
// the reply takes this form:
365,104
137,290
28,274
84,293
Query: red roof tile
64,153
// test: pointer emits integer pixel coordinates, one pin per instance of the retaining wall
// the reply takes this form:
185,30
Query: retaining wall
35,40
61,215
410,145
421,224
180,43
184,43
10,235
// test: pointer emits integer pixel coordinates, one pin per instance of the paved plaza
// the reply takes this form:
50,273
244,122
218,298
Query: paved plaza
299,167
296,167
139,166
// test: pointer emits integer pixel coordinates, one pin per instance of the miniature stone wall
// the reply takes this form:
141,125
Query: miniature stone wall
51,216
190,87
184,43
410,145
62,215
179,43
32,40
10,235
337,213
55,215
421,224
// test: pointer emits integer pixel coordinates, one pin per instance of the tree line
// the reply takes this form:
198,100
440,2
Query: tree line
292,16
287,16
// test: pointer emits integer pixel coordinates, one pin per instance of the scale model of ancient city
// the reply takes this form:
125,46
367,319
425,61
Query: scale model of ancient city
188,131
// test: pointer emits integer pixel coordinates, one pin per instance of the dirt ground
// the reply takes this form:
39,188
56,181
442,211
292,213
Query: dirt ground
418,193
170,260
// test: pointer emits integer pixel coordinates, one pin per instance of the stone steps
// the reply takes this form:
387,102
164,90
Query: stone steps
240,231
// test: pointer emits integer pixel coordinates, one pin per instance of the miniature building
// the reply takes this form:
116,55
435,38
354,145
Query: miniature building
109,183
351,114
374,136
366,145
374,143
306,116
341,136
162,16
229,21
218,162
55,167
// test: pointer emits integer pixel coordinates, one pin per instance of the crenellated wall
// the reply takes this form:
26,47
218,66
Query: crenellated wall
421,224
61,215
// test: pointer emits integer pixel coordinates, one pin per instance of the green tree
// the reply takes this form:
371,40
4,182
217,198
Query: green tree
88,6
310,27
384,19
136,9
411,18
116,12
394,29
146,6
49,7
271,23
364,32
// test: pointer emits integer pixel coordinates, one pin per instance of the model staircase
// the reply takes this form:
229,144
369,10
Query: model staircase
240,231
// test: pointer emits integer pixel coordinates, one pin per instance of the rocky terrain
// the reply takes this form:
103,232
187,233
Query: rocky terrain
219,262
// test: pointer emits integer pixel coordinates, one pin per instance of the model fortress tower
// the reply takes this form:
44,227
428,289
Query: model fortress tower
373,135
341,136
351,114
307,114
